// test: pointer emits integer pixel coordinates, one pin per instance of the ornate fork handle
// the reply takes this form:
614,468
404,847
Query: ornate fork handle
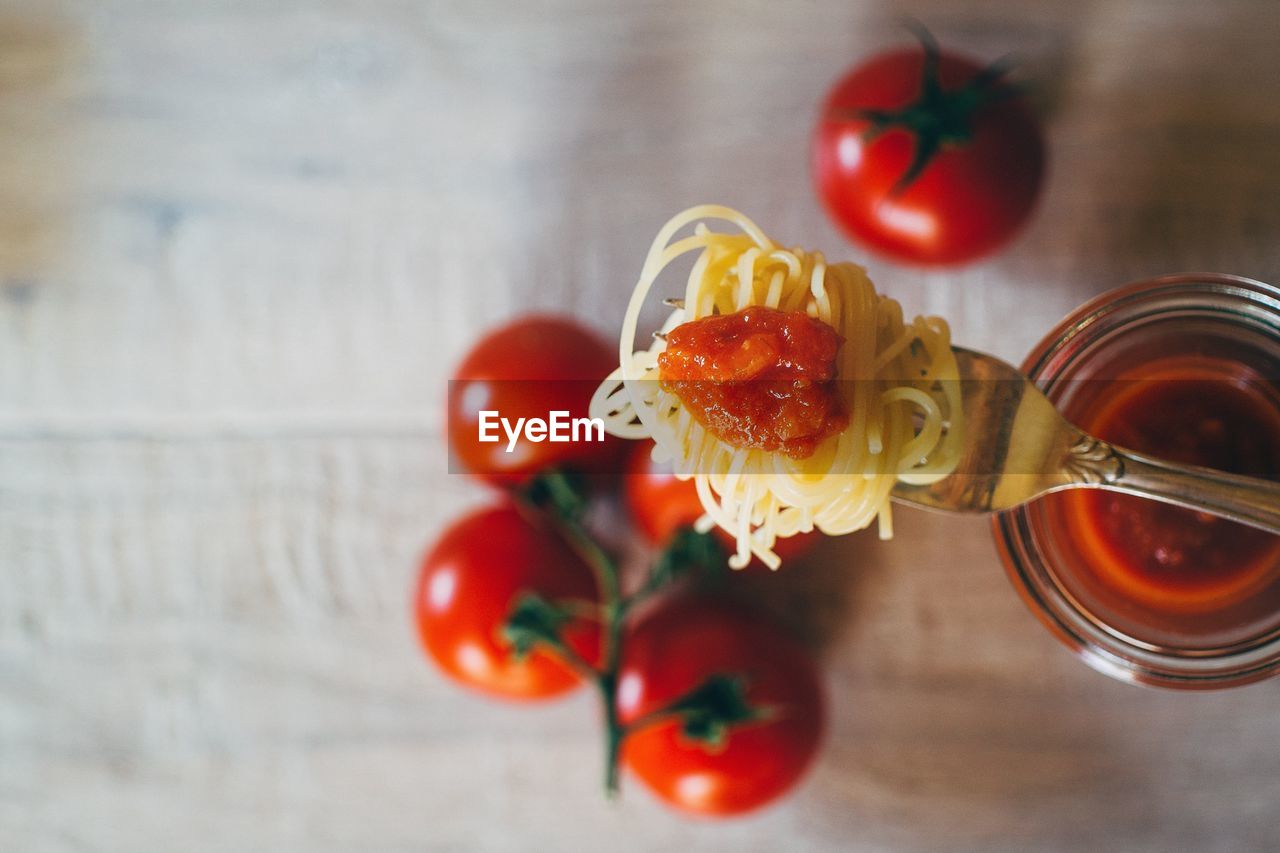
1091,462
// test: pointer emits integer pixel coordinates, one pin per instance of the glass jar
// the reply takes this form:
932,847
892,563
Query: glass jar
1224,320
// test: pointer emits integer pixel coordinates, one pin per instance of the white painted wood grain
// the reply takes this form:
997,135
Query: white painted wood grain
241,244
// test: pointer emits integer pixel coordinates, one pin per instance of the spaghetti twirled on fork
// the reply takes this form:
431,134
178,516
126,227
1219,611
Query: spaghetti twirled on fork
897,382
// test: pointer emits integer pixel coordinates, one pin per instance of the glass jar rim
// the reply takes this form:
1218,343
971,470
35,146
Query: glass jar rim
1084,318
1105,650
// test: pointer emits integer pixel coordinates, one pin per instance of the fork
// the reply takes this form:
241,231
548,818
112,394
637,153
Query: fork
1017,446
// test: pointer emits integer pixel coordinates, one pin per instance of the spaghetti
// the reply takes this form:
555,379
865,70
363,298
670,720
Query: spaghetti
898,382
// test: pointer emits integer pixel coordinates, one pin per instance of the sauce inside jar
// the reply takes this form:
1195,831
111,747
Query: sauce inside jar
1198,410
758,378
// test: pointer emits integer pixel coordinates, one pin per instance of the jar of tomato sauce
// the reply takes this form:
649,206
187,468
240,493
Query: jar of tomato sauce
1187,368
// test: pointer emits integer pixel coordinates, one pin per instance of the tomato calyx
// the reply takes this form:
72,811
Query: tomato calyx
708,711
534,621
938,117
688,552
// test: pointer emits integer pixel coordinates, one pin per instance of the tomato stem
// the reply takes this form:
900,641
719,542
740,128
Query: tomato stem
562,502
575,661
606,678
613,731
610,589
937,118
707,710
687,551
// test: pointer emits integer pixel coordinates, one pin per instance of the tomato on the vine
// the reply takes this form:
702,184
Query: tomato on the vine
661,504
528,369
472,579
679,646
928,157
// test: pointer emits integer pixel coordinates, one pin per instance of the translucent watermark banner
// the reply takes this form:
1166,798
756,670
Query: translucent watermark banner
849,427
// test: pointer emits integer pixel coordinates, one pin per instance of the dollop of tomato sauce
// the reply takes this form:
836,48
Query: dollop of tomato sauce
1199,411
758,378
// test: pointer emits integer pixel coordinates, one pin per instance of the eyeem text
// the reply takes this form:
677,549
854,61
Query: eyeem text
558,427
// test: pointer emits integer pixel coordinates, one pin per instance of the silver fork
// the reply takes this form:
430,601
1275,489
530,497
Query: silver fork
1017,447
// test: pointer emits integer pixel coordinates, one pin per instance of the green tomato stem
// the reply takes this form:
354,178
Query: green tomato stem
612,610
562,505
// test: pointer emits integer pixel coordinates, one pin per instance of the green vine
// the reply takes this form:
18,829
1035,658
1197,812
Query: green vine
708,711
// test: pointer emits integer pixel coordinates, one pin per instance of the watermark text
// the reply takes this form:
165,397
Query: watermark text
557,428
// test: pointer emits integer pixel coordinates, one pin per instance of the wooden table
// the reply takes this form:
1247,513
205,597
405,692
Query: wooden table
241,246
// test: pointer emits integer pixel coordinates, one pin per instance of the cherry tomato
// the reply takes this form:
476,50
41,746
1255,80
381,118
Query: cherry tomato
469,582
675,649
659,502
528,369
661,505
926,157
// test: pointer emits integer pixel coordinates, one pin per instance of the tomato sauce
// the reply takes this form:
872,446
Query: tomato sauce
758,378
1196,410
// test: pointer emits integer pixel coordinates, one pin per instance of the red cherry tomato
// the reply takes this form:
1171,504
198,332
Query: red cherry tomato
674,650
661,504
467,587
528,369
975,189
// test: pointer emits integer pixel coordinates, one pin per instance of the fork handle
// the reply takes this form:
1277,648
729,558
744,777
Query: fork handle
1247,500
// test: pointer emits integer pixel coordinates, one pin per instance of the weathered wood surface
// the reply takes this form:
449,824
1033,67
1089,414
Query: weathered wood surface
241,244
